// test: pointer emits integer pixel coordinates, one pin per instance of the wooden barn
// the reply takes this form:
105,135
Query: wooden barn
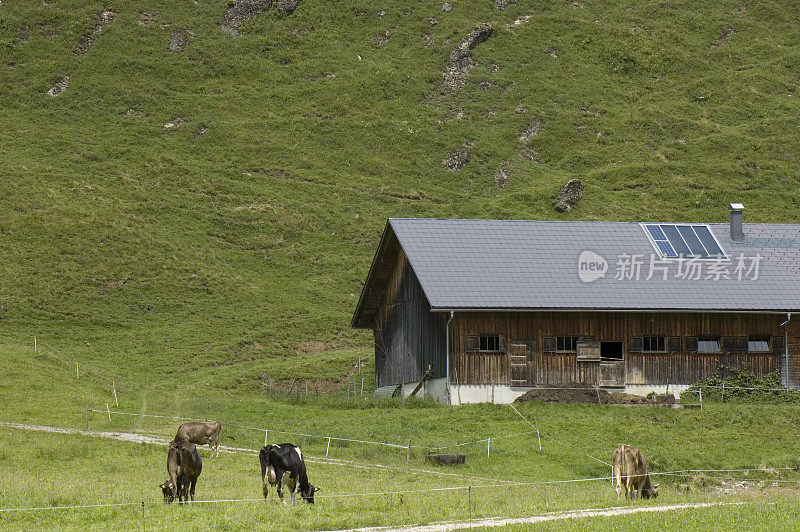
484,310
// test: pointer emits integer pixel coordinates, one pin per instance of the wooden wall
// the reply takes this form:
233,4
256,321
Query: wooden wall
408,336
524,334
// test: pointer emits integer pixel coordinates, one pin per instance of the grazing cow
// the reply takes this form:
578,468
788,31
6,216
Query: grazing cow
284,464
184,466
629,466
201,432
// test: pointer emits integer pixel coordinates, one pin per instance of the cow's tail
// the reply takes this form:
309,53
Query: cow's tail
223,433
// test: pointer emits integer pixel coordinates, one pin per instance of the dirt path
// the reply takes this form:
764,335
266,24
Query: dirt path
553,516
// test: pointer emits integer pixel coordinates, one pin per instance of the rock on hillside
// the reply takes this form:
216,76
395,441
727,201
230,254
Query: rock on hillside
460,61
569,195
240,11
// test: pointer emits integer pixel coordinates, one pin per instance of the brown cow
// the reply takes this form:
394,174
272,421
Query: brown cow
184,466
629,465
200,432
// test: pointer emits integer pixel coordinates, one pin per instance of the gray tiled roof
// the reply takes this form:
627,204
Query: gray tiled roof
515,264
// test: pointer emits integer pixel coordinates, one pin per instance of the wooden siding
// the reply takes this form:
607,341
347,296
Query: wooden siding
681,364
408,336
793,330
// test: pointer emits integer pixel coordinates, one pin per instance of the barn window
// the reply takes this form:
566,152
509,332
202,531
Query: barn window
758,344
567,343
490,342
654,343
708,345
611,350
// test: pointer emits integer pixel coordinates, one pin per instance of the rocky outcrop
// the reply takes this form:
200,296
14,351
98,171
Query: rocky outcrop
531,131
287,7
59,87
501,179
457,159
179,40
502,4
569,195
101,21
460,61
239,12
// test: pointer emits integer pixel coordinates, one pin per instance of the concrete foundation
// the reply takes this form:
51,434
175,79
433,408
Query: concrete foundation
504,394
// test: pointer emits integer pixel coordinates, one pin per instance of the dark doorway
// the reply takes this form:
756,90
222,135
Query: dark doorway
611,350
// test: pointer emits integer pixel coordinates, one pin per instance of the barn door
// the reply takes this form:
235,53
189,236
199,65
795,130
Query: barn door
519,362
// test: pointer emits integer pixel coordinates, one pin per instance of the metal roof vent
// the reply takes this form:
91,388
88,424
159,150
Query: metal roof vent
737,233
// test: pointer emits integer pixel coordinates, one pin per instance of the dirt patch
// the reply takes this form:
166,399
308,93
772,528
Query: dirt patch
578,392
145,19
23,35
311,347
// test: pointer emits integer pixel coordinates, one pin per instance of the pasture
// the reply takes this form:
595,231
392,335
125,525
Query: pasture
365,484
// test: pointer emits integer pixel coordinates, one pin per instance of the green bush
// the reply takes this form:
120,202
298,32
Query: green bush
741,386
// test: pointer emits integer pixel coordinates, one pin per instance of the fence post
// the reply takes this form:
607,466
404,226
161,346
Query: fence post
700,396
328,447
362,386
539,438
77,371
266,435
87,417
469,504
143,524
408,453
114,386
488,444
34,344
723,391
689,489
109,412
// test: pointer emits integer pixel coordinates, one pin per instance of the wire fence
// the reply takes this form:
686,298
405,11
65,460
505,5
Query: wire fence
467,487
326,438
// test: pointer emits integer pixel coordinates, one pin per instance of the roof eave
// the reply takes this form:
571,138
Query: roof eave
357,322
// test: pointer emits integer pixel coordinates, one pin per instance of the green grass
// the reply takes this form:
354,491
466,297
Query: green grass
576,438
214,275
142,250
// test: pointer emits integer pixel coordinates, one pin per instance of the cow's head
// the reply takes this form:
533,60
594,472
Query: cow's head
166,489
308,496
651,492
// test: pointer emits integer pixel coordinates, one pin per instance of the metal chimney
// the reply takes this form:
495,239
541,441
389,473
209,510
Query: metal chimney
737,233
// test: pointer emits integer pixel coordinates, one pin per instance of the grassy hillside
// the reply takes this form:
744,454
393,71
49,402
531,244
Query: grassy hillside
242,236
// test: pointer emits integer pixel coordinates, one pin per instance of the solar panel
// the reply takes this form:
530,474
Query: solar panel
676,240
708,240
656,232
666,248
690,241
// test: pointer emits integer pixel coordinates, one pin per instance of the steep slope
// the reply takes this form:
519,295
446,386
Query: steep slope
188,200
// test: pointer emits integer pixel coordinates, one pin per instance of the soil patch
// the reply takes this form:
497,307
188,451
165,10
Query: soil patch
578,392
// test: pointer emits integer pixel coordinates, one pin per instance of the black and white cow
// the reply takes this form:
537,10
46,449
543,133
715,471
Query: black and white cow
284,464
